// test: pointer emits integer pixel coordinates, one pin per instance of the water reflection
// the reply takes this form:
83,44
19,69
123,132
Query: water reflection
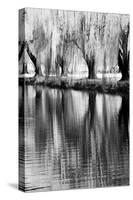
73,139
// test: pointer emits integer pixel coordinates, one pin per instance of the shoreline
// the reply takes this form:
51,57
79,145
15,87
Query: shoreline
97,85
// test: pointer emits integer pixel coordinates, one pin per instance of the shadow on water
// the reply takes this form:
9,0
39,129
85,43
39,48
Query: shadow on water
124,115
74,139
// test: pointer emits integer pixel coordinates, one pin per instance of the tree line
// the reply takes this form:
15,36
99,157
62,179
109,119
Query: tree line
102,39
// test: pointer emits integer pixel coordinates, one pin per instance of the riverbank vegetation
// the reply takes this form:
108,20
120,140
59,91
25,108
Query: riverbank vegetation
79,84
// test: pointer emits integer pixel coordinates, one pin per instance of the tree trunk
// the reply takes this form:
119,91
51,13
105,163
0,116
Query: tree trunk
91,72
60,64
123,54
91,67
123,62
21,50
62,70
38,70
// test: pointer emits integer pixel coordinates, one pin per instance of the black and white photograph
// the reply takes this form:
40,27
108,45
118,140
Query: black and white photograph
74,71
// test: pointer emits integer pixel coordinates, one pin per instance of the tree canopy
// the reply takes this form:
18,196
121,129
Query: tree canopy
101,40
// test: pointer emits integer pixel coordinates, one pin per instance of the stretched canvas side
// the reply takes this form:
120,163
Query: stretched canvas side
21,62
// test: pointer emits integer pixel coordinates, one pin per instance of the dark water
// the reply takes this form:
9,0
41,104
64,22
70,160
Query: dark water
72,139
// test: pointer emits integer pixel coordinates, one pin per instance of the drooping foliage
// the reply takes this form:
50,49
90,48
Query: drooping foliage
123,54
66,42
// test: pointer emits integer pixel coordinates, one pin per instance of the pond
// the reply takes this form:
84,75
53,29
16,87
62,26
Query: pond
72,139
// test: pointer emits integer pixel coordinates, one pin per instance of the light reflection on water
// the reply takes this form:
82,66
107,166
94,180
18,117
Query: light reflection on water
73,139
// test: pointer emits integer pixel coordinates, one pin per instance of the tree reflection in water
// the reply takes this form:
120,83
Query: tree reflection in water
74,139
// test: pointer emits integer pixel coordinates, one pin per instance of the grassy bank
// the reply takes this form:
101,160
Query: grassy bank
79,84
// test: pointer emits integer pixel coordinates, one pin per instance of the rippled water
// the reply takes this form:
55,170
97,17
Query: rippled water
72,139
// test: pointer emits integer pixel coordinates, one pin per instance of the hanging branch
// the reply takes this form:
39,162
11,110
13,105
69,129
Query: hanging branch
21,50
34,60
123,53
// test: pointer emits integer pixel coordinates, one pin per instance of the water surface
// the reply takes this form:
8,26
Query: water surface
72,139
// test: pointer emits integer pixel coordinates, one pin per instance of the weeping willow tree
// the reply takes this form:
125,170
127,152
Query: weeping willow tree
54,39
123,54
